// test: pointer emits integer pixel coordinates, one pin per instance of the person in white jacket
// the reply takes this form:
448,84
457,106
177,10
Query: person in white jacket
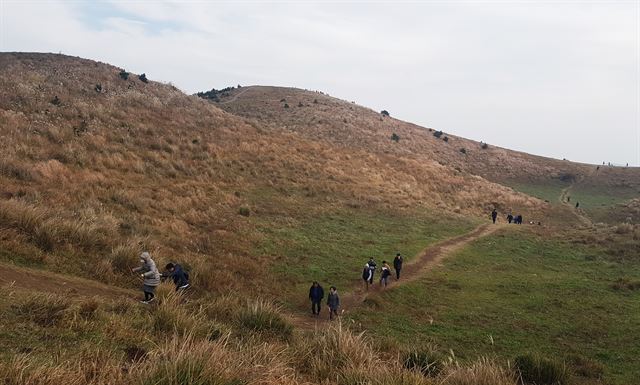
149,272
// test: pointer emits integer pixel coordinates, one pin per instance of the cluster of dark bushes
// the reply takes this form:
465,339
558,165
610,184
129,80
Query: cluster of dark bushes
395,137
384,113
438,134
214,94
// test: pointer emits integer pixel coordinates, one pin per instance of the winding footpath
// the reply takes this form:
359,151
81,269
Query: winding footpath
411,271
12,276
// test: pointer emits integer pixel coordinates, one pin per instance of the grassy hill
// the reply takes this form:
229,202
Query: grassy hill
256,199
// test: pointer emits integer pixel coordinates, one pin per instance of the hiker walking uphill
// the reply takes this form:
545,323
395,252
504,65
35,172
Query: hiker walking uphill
397,265
333,302
316,294
178,275
149,272
494,215
510,218
367,273
384,274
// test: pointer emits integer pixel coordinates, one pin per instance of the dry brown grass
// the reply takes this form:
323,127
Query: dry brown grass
102,176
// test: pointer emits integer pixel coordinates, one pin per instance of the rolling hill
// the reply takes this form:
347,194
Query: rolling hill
258,191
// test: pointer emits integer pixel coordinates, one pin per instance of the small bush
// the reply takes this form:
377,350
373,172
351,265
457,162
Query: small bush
56,101
438,134
463,151
395,137
263,317
283,100
143,78
428,362
124,75
286,105
244,211
300,104
98,88
315,101
625,284
384,113
484,146
43,309
536,370
88,309
446,138
586,367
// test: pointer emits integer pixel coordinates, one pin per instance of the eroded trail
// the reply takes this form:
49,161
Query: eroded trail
411,271
47,282
564,199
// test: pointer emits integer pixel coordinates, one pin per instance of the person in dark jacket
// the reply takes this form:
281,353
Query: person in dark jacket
397,264
385,273
178,275
333,302
372,267
316,294
494,215
509,218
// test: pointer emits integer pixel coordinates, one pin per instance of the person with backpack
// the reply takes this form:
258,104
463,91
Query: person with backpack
178,275
372,267
333,302
397,265
316,294
366,275
151,276
384,274
510,218
494,215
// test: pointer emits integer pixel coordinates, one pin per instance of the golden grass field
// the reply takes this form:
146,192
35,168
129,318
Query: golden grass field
95,168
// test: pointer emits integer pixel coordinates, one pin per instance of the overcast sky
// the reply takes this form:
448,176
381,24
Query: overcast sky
559,79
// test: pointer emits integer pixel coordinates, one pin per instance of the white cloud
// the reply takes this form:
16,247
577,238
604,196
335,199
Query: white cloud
553,79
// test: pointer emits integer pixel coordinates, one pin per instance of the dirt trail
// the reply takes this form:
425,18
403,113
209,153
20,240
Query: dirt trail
564,199
411,271
48,282
234,97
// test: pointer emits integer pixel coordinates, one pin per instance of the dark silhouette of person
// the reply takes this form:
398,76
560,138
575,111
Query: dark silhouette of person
577,204
494,215
509,218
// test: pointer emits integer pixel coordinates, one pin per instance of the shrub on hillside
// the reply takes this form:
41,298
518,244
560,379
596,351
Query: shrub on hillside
438,134
315,101
286,105
124,75
265,318
43,309
446,139
244,211
428,362
463,151
536,370
143,78
56,101
395,137
300,104
484,146
384,113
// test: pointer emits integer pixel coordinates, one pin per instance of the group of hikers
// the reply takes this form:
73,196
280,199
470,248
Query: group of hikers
148,271
510,217
316,292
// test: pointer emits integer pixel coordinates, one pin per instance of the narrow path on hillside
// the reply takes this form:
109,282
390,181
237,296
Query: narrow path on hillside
564,199
234,97
411,271
47,282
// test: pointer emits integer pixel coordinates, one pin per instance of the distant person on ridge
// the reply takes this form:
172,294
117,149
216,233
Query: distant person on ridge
316,294
384,274
577,204
178,275
519,219
149,272
397,264
509,218
333,302
494,215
